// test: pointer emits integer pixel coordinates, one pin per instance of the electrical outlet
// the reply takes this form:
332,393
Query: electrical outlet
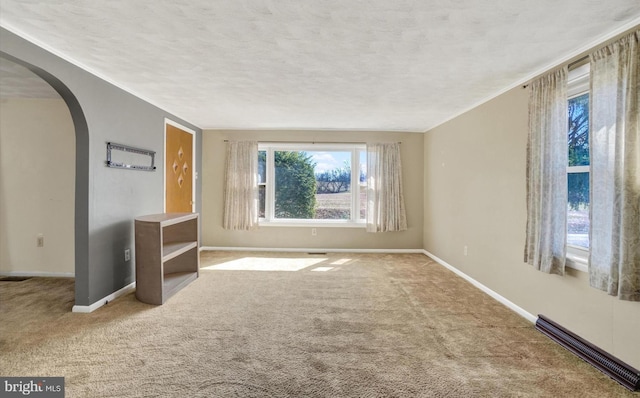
127,254
465,251
314,232
40,240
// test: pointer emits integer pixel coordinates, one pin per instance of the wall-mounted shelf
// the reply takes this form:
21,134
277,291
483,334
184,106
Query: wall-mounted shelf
166,255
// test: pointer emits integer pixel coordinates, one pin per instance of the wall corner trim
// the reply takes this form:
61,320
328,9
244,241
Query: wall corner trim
509,304
85,309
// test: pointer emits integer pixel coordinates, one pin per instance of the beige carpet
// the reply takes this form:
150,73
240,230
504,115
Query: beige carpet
292,325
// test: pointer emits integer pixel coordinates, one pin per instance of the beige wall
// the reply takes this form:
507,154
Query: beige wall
475,196
213,153
37,177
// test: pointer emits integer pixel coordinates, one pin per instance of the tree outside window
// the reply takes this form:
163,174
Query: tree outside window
313,185
578,172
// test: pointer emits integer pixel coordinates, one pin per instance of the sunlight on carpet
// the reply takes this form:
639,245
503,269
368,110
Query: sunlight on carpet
342,261
322,269
266,264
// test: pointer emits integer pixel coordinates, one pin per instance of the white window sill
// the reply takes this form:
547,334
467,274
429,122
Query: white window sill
578,258
313,223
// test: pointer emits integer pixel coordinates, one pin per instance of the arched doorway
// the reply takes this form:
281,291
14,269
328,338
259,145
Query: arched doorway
48,158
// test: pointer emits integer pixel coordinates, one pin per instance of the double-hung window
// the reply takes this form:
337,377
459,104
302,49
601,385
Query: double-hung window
312,184
578,166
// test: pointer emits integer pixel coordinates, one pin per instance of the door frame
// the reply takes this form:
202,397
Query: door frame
194,175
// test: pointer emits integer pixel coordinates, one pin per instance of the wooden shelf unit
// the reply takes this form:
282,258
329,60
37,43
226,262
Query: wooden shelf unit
166,254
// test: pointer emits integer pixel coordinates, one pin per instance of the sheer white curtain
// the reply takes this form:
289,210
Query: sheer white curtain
614,263
385,200
241,186
547,161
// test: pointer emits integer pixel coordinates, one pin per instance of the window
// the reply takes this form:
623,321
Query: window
312,184
578,167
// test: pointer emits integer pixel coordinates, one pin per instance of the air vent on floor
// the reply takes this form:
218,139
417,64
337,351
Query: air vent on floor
605,362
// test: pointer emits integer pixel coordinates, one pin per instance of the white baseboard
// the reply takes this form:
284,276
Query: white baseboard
105,300
519,310
308,250
35,274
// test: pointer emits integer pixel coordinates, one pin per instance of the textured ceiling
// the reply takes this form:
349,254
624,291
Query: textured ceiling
368,65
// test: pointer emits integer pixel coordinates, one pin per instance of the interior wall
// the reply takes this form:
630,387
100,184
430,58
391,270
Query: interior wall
475,196
112,198
300,237
37,192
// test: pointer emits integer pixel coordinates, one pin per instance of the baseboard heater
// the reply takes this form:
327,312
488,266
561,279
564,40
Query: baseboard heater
605,362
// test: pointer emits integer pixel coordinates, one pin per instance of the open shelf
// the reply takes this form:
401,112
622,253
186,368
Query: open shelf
167,257
172,250
177,280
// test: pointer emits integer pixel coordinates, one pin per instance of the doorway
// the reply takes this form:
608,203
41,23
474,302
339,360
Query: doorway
37,176
179,171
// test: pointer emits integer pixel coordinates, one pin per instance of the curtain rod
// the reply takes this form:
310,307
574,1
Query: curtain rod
612,39
572,65
578,62
311,142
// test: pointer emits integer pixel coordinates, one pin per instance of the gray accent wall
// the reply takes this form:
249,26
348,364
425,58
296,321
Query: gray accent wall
106,199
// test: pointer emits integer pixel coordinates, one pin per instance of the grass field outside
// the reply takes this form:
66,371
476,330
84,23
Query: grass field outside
337,206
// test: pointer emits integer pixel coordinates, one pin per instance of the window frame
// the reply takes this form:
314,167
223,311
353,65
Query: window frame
270,148
577,85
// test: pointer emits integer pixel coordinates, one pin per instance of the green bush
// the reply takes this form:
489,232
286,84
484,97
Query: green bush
295,188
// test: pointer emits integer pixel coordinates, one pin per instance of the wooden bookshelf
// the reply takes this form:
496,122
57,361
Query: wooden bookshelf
167,257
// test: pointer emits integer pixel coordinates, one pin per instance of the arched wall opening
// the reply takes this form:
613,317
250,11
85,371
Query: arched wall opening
81,213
